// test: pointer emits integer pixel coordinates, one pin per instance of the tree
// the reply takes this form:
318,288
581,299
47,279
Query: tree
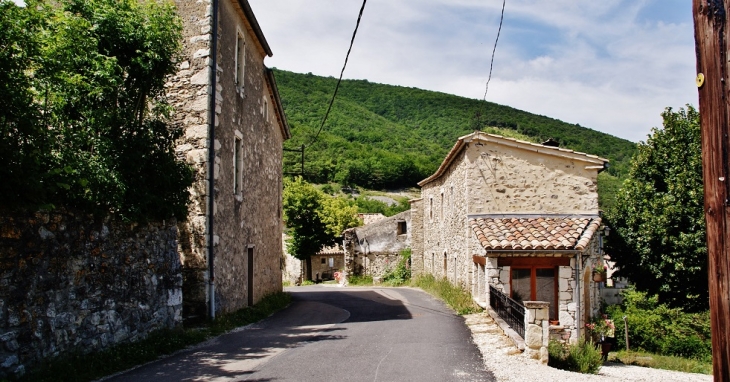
314,219
88,125
658,224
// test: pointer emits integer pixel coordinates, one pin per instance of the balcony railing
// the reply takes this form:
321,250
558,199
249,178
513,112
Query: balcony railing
511,311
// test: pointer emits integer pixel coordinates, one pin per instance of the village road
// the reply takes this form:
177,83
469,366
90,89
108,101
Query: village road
335,334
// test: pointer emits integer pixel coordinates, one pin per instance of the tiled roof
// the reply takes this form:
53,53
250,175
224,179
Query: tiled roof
534,233
333,250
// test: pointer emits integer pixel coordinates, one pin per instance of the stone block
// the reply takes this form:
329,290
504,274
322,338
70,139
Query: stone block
565,273
201,77
544,355
571,307
541,314
566,319
533,336
563,285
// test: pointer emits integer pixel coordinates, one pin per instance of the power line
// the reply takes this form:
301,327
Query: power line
491,65
359,16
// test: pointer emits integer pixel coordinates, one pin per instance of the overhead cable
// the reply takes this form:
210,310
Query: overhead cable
491,65
332,101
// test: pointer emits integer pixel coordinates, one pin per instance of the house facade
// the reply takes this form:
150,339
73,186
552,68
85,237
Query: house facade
508,218
375,248
230,245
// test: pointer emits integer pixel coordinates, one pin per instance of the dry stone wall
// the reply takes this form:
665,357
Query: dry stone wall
72,282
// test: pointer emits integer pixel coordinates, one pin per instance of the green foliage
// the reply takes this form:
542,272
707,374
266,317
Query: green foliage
368,205
356,280
338,215
582,357
657,328
456,297
313,218
302,204
381,136
658,225
401,273
92,366
88,124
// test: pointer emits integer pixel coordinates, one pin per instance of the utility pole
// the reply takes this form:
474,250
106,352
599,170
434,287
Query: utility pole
711,42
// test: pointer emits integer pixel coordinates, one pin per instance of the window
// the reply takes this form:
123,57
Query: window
430,209
442,206
266,110
323,260
402,228
240,62
237,163
535,284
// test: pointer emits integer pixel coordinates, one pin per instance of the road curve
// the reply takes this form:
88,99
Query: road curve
335,334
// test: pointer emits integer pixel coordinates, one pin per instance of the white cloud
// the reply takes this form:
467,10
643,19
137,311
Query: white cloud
594,63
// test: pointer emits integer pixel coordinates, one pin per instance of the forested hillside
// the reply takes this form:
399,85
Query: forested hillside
381,136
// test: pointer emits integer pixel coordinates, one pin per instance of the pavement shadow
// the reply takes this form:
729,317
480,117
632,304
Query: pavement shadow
363,305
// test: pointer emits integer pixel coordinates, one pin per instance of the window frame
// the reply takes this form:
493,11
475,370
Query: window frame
240,62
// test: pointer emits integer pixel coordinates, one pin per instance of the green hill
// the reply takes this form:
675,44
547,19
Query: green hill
383,136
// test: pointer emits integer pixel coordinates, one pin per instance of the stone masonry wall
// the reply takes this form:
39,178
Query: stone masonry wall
418,256
251,219
247,220
376,247
188,91
446,233
504,179
70,282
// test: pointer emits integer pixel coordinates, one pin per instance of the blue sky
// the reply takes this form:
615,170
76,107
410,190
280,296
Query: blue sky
610,65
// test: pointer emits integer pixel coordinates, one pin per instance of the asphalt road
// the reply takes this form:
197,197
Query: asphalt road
335,334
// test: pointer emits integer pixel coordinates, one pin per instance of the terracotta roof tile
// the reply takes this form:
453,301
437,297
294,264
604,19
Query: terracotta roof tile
533,233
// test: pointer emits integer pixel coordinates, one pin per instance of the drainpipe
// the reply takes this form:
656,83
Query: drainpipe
578,281
211,156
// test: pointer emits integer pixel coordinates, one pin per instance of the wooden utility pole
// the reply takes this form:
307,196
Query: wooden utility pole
711,42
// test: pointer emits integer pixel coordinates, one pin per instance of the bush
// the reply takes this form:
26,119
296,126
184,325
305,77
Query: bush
582,356
656,328
402,272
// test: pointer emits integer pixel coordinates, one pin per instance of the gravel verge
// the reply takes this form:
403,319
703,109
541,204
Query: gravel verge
507,363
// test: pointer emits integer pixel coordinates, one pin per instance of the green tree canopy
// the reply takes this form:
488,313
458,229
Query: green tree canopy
314,219
658,223
88,124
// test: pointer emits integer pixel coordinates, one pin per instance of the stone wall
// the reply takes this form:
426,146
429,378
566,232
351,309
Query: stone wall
447,241
537,329
248,220
72,282
417,254
376,247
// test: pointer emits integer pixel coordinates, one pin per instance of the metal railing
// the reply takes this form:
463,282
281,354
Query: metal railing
511,311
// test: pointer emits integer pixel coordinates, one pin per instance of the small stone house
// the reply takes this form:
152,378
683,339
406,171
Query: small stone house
228,105
375,248
508,218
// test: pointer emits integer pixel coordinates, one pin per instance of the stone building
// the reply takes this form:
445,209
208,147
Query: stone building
504,217
376,247
230,245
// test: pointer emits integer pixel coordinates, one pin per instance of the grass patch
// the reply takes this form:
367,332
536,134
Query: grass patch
360,280
91,366
456,297
665,362
308,282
